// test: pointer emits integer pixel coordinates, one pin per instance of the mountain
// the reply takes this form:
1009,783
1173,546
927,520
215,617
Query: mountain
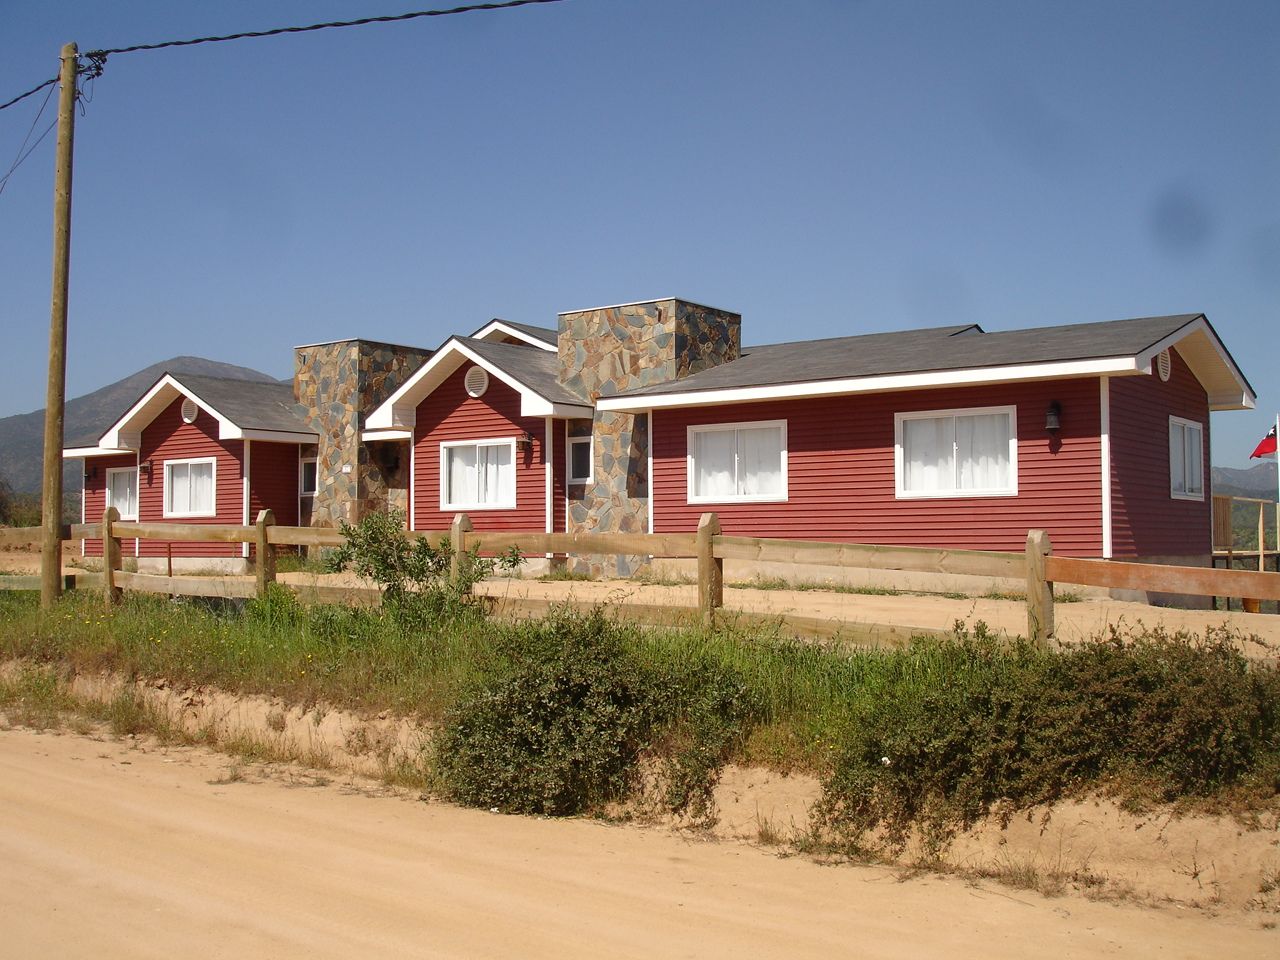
1257,481
87,417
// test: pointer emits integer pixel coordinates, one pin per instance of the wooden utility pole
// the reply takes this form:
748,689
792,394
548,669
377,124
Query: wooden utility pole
55,395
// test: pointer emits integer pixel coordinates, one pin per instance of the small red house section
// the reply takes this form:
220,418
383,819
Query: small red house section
94,501
168,439
1146,519
273,481
449,414
840,472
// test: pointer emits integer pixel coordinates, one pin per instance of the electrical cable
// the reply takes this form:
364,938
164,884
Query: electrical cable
99,57
21,156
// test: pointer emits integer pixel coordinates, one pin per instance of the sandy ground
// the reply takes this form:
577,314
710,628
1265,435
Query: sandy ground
119,849
1075,621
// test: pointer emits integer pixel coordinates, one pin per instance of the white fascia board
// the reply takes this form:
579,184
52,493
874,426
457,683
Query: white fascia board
900,381
1200,324
164,392
1232,401
371,435
495,328
399,411
280,436
80,453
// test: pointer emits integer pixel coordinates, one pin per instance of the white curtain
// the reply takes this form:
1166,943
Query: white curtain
1195,466
1177,458
760,461
713,463
482,475
202,488
982,452
122,492
179,488
928,461
495,478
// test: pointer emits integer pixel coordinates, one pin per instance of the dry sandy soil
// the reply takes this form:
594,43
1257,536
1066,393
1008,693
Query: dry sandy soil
122,849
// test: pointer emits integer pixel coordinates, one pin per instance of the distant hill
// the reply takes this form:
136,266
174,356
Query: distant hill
1257,481
87,417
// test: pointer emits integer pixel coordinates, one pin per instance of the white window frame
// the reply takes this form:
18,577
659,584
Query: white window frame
690,472
136,491
447,445
302,465
953,493
568,459
1184,494
213,487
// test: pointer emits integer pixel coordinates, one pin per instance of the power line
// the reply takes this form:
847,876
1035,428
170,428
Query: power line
99,56
21,156
22,96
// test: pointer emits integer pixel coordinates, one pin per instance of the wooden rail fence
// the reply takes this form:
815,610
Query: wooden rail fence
1037,564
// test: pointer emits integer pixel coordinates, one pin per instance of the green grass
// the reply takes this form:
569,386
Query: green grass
564,574
759,582
967,724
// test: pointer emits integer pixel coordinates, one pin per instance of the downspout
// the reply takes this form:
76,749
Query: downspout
1104,438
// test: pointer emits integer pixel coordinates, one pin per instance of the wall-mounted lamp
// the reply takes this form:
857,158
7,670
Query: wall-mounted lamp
526,440
91,473
1053,417
145,467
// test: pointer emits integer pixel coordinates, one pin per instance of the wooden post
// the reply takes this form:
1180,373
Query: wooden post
55,389
111,560
710,569
266,553
1039,589
458,540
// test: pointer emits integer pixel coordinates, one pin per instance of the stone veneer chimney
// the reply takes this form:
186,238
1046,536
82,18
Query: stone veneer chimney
611,349
335,386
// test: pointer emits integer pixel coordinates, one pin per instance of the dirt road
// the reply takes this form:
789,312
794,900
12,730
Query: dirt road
111,849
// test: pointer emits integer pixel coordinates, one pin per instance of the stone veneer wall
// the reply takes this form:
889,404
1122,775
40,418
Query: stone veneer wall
336,385
622,348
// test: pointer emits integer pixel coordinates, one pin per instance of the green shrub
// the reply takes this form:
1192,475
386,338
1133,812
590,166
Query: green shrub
964,726
559,721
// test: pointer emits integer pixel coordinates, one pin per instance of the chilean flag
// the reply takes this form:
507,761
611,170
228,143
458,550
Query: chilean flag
1267,446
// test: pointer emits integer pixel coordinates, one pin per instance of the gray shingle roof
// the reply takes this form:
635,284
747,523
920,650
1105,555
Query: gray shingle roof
545,334
249,405
537,369
925,351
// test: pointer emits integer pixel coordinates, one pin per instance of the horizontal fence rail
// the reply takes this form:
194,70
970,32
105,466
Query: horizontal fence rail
708,545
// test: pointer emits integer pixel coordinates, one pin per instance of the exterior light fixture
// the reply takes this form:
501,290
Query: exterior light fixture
1053,417
526,440
145,467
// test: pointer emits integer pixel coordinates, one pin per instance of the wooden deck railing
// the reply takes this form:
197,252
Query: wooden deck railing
1036,565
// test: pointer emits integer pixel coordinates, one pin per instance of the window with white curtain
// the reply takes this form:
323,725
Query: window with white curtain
189,488
956,453
738,461
122,491
478,475
1186,459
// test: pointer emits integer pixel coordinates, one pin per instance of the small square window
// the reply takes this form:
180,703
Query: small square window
307,478
1186,459
580,460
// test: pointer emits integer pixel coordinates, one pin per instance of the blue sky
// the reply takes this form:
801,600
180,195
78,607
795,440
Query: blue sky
825,167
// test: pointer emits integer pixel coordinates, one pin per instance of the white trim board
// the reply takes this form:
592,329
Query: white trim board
400,410
503,328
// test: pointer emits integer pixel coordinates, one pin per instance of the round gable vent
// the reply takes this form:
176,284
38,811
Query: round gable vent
189,410
1163,365
476,381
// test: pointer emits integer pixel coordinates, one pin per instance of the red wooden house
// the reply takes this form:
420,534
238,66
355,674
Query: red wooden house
641,417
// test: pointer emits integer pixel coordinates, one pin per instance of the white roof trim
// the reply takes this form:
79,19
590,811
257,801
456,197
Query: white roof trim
80,453
502,328
899,381
161,394
399,411
1241,396
369,435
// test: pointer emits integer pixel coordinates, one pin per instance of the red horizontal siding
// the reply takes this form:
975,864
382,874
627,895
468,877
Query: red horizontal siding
168,438
1146,521
840,466
94,498
273,481
450,414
